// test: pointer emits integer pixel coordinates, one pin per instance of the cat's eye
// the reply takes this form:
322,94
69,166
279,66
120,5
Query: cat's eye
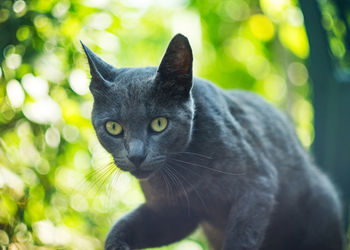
114,128
159,124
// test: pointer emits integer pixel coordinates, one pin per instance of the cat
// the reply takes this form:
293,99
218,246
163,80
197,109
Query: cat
224,160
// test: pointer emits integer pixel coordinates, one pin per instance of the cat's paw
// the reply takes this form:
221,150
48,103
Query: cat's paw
117,246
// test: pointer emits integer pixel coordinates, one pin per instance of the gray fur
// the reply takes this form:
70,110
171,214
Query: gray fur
228,161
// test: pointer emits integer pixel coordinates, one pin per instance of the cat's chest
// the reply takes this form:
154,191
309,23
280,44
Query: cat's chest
211,199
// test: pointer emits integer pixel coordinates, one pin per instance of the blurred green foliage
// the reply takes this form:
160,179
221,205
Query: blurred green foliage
335,21
57,186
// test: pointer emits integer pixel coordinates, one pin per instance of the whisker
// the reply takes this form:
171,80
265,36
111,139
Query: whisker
171,181
193,187
102,179
157,160
97,178
183,189
159,157
205,167
192,153
163,175
190,169
114,181
92,174
110,187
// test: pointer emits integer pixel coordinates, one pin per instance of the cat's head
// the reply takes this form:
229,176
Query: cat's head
143,115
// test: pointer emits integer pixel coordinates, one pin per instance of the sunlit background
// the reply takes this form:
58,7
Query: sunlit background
56,187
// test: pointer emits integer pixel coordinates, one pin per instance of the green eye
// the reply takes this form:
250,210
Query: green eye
113,128
159,124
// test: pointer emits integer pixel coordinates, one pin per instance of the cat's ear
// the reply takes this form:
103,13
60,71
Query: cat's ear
175,70
101,72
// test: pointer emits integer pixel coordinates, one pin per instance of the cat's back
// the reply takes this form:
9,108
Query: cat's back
245,106
302,187
253,112
250,115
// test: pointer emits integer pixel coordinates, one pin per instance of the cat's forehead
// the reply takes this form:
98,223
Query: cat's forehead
132,76
131,92
132,85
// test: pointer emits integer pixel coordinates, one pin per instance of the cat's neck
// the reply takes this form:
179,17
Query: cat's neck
213,120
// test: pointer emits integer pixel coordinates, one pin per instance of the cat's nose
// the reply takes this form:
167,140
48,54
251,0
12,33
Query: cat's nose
137,159
136,152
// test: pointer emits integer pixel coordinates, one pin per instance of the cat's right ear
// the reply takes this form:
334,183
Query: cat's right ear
174,73
101,72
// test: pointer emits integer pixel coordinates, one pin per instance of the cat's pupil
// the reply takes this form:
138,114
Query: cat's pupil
159,123
113,126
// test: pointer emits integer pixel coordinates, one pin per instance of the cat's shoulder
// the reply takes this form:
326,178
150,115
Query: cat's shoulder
245,97
253,106
204,89
203,86
247,107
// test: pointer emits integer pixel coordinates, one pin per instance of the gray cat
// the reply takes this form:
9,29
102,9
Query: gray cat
224,160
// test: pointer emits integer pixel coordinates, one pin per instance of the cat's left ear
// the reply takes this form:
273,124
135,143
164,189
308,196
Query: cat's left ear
101,72
174,73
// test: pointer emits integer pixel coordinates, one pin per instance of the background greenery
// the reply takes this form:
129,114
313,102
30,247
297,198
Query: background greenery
57,188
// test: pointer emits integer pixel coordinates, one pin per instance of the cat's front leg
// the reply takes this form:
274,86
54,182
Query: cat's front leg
151,226
248,220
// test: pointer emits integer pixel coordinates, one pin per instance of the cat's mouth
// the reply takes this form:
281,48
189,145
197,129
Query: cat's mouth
142,174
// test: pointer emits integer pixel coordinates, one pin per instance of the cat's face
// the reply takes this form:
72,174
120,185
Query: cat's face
143,115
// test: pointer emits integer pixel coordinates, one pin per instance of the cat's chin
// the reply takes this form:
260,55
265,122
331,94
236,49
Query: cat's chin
142,174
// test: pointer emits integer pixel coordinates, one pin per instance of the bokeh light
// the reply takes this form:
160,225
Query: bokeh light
56,190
